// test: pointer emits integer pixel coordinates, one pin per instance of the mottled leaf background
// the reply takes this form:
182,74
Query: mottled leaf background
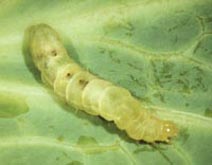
161,50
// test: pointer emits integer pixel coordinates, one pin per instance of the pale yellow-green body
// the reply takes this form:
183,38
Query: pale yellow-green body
85,91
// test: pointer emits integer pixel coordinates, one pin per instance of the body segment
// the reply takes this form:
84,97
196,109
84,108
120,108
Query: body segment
85,91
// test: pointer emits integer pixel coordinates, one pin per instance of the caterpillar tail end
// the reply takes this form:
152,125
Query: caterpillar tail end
169,130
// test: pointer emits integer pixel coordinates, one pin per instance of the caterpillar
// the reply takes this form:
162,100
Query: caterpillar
85,91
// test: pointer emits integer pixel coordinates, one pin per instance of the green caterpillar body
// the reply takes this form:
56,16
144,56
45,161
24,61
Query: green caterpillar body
85,91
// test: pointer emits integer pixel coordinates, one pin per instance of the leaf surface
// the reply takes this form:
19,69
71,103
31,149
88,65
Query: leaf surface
158,49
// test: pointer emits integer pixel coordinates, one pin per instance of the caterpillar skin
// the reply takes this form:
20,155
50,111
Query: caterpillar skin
85,91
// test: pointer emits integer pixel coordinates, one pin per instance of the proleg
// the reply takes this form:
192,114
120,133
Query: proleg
91,94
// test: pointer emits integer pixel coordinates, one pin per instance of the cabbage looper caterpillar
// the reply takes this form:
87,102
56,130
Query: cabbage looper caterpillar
85,91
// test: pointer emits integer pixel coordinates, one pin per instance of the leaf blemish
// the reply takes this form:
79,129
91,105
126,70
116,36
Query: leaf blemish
12,105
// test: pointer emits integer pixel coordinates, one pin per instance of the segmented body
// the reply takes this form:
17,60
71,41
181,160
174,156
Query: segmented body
85,91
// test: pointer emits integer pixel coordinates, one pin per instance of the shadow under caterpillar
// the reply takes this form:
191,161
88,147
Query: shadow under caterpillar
96,96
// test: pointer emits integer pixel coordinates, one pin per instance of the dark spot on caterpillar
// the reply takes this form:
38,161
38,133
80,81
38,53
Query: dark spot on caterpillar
54,53
68,75
83,83
39,56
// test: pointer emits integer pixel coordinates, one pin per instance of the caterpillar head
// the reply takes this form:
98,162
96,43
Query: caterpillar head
44,44
169,130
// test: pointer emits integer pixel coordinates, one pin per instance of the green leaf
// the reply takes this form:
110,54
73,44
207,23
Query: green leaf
158,49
